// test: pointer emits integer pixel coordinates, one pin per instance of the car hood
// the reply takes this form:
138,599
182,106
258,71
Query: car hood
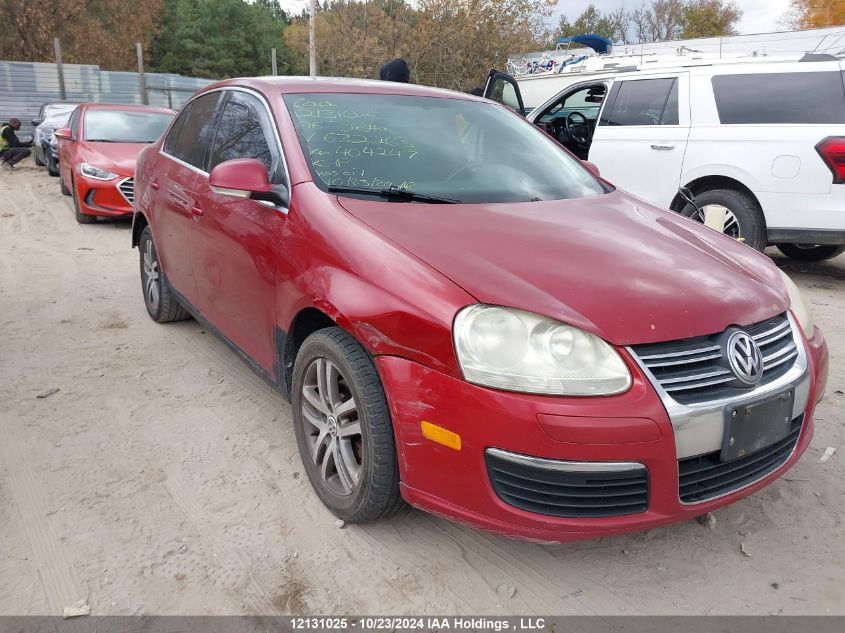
612,265
117,157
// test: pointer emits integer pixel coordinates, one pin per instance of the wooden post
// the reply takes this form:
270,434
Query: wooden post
142,80
59,68
273,62
312,50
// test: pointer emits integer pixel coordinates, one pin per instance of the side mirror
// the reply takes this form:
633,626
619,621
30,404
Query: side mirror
37,122
63,133
247,178
592,168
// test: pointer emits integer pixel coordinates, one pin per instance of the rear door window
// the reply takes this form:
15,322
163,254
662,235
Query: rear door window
173,134
805,97
642,102
192,143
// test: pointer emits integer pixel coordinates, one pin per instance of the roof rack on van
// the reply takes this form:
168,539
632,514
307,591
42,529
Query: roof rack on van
784,46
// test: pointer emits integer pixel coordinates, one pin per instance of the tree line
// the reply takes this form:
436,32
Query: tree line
447,43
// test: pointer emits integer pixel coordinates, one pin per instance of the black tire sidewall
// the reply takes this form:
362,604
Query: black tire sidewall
752,225
323,343
147,236
818,253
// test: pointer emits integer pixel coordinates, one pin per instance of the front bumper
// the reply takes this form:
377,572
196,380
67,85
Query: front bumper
630,428
102,197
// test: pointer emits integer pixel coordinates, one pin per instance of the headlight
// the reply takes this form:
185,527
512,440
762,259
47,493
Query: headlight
96,173
520,351
799,308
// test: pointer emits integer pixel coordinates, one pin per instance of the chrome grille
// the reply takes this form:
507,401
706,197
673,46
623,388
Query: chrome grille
127,188
694,370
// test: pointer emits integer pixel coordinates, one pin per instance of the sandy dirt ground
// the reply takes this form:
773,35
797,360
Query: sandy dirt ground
163,476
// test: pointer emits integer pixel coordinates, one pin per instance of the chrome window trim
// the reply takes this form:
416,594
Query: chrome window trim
270,116
699,427
565,466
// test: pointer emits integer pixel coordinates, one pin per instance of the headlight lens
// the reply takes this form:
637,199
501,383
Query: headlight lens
799,308
520,351
89,171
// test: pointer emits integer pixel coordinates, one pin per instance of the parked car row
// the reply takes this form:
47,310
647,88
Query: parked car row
462,313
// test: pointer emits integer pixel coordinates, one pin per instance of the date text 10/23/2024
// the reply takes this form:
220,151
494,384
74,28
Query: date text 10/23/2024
417,623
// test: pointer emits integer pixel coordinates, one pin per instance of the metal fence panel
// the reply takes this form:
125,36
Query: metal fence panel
25,86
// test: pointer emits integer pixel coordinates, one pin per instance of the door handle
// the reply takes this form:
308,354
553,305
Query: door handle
196,211
662,146
154,185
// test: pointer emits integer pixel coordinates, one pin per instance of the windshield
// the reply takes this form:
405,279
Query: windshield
466,151
120,126
53,109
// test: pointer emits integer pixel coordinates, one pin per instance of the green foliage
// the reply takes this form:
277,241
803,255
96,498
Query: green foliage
219,38
710,18
613,25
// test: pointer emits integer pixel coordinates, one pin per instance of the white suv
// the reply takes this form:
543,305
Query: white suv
761,143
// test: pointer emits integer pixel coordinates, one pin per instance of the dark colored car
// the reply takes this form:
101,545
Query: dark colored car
97,154
45,145
465,316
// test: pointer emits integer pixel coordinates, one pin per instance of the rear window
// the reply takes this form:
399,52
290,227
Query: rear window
807,97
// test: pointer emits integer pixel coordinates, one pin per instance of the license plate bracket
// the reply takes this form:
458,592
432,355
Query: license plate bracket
754,425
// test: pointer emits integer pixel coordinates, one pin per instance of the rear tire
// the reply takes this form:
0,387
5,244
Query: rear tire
811,252
162,305
343,428
82,218
749,222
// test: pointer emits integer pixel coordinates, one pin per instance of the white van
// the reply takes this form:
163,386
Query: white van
763,142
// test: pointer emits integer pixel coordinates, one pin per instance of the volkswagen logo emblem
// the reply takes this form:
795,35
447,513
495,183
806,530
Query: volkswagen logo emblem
745,358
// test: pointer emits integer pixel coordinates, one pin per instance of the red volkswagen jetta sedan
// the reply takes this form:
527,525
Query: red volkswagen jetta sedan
464,316
97,154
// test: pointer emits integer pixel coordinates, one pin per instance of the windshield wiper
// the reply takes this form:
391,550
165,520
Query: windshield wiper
394,193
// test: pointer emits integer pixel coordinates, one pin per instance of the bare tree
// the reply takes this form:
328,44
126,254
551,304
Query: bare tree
662,20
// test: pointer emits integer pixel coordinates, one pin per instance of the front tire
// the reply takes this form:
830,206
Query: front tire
343,427
38,161
811,252
82,218
63,186
161,303
744,217
52,166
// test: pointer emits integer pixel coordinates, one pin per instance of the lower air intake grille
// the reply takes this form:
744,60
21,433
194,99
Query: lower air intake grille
705,477
127,188
565,493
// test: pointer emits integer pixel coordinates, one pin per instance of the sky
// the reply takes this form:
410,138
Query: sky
758,16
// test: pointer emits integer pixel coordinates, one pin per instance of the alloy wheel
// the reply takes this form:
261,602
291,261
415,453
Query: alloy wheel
152,285
731,227
332,426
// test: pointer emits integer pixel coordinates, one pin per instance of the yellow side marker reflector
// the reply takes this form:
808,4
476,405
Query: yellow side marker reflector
440,435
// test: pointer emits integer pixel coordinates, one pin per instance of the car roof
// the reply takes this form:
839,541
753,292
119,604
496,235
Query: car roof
125,107
294,85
